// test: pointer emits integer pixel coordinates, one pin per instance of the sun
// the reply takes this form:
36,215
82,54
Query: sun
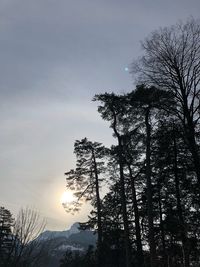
67,197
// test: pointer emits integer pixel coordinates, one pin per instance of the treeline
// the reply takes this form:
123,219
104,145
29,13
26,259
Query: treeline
149,215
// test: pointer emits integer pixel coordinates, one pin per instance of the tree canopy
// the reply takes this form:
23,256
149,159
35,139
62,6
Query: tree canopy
150,214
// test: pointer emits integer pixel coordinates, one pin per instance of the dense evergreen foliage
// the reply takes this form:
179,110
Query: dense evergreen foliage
6,224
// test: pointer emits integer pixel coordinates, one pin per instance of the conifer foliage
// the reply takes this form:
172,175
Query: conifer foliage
6,225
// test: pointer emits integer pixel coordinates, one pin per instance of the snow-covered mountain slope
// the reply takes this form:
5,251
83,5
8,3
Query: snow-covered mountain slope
56,243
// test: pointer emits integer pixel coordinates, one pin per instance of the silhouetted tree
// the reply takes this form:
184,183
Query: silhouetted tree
111,109
6,237
171,61
150,214
76,259
146,102
18,238
85,179
27,250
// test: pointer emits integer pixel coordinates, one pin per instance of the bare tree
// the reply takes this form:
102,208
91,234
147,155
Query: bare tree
171,61
26,247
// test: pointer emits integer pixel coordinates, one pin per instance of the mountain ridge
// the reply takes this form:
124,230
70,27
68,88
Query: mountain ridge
48,234
56,243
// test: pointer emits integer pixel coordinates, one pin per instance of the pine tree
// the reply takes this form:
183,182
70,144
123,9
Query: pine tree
6,237
86,180
144,102
112,110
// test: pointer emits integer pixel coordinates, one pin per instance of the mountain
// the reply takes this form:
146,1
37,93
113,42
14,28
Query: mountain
55,243
47,235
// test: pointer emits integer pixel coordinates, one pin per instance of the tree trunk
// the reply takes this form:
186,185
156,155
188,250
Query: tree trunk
124,208
140,256
122,194
162,229
99,221
184,238
152,244
190,135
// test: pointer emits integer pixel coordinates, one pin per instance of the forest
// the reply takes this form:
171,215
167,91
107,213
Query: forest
145,188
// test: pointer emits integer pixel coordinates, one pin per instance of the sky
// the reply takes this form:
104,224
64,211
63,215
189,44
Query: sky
55,55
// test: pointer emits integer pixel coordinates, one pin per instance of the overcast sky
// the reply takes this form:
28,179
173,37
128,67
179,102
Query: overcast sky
54,56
